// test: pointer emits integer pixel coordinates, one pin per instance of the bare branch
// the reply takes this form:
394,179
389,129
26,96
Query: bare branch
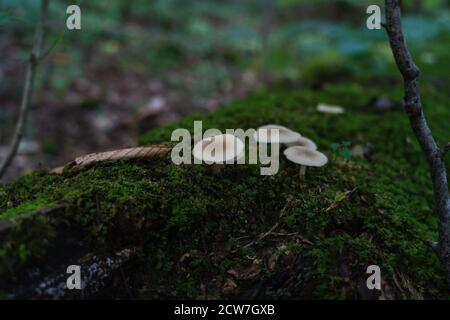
33,62
422,131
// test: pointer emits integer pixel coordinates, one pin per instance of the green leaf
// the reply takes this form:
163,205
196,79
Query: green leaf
345,153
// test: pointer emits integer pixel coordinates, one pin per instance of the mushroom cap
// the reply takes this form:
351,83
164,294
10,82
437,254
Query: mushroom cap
218,149
285,135
303,142
325,108
305,156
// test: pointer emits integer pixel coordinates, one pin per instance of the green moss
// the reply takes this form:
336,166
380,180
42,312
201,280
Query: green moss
325,68
24,209
194,227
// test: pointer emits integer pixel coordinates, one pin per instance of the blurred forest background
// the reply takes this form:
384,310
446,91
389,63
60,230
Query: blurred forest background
137,65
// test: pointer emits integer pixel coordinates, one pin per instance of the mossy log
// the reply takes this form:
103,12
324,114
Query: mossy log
238,234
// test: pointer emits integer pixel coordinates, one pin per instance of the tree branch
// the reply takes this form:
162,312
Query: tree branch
413,108
33,62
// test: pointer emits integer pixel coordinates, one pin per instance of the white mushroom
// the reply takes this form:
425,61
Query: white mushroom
218,149
303,142
330,109
266,134
305,158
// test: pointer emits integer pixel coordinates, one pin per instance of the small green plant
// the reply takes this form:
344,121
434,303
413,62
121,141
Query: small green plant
342,148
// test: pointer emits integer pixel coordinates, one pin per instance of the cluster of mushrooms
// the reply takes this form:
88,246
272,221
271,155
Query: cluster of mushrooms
220,149
300,150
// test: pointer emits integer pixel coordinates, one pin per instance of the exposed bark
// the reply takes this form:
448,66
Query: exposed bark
33,61
96,270
413,108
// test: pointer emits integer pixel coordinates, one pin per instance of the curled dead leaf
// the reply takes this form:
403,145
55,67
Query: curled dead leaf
234,273
129,153
230,287
248,273
152,152
251,272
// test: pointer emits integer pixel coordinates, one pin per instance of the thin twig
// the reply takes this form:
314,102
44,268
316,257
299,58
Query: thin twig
263,235
272,229
33,62
282,234
413,108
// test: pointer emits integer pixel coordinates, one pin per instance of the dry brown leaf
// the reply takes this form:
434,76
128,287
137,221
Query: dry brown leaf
129,153
234,273
230,287
152,152
332,206
251,272
247,273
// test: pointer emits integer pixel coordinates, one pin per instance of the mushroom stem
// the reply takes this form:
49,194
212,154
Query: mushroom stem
302,172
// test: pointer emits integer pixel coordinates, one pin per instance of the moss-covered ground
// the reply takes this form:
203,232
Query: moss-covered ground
205,235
